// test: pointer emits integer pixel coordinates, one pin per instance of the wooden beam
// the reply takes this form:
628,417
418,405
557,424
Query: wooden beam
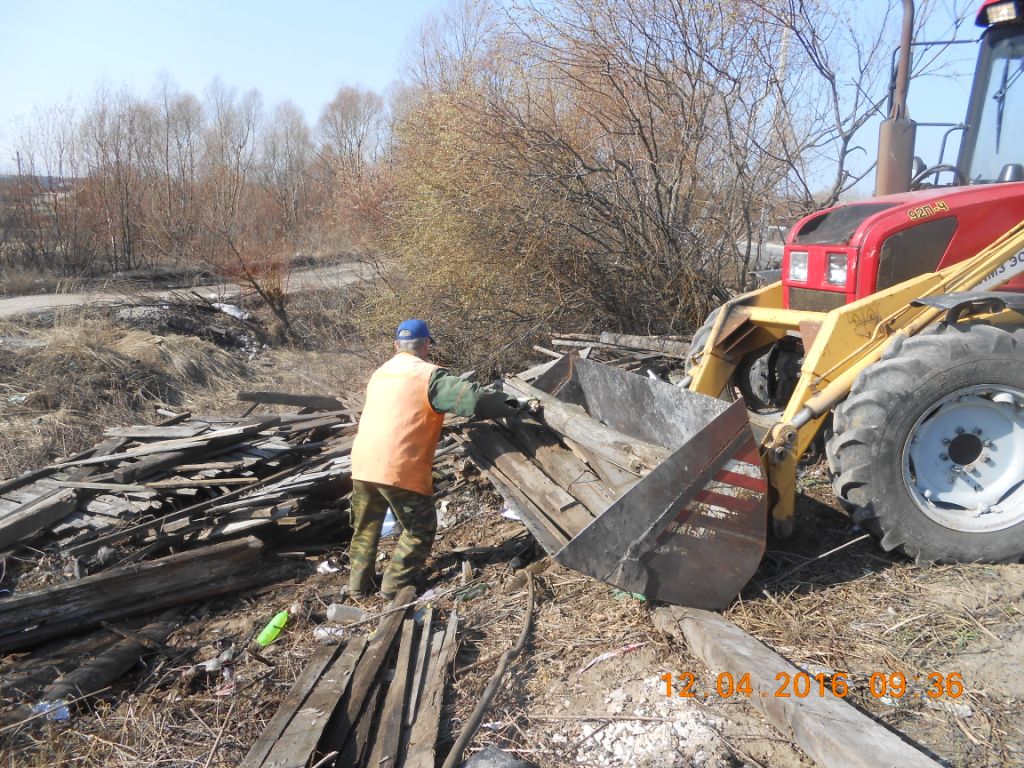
829,730
574,422
30,618
663,344
113,662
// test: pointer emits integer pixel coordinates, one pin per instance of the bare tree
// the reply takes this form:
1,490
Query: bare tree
286,154
115,188
171,161
352,130
46,210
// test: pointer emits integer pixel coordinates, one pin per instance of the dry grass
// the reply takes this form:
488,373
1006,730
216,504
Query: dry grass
59,388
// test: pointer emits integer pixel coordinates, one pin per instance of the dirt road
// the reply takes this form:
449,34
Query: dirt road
308,279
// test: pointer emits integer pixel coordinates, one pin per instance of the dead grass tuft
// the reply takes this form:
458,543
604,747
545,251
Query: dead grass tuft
60,388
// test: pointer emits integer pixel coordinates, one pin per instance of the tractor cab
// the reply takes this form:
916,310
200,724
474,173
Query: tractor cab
915,224
992,150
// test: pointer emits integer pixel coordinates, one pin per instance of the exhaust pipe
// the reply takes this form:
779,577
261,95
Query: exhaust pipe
896,134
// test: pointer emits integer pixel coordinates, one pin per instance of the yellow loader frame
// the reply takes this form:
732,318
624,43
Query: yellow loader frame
838,346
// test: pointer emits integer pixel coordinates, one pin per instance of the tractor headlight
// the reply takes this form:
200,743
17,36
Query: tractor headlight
835,269
999,13
798,266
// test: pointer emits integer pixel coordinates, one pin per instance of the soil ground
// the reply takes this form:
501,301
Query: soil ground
588,690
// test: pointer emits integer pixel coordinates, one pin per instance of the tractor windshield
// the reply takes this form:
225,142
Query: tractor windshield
997,106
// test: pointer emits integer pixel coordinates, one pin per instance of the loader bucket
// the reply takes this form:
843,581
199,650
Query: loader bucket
692,532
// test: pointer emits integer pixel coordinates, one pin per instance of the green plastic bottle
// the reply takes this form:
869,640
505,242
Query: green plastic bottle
272,630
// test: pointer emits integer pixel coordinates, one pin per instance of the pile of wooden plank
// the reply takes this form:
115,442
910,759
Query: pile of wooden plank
373,702
183,479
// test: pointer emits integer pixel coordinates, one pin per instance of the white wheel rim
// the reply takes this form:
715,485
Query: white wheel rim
964,461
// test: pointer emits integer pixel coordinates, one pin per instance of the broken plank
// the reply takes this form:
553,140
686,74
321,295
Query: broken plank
663,344
829,730
30,618
419,667
87,486
300,737
24,522
201,482
562,465
385,747
536,520
317,402
210,439
156,432
370,666
291,704
574,422
423,739
560,508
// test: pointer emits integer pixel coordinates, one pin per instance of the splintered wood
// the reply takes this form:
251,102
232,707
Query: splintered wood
366,703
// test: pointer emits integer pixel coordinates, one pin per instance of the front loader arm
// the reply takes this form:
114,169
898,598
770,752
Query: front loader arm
838,346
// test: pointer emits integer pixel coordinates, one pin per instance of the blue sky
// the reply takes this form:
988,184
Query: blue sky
301,51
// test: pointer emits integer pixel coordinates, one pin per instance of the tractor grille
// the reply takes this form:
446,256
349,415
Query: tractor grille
815,301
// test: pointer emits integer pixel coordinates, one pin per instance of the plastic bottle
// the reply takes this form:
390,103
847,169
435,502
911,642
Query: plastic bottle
272,630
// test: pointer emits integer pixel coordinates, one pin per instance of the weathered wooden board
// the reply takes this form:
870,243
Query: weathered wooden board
300,737
385,746
317,402
30,618
423,739
291,703
829,730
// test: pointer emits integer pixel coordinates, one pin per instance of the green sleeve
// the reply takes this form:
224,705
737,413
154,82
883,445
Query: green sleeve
450,394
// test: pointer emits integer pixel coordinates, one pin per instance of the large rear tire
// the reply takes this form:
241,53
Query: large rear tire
929,446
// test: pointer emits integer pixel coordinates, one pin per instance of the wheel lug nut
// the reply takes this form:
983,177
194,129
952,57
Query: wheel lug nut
989,444
976,430
988,460
959,430
943,456
946,441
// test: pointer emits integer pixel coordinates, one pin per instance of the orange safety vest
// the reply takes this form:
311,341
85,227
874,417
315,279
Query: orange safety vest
398,430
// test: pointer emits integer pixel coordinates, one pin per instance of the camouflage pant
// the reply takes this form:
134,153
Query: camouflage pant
416,513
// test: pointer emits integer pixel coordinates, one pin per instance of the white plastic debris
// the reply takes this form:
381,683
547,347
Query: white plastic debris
54,710
328,634
508,514
391,525
345,614
327,567
230,309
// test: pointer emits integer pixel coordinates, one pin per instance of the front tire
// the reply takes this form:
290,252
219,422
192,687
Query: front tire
929,446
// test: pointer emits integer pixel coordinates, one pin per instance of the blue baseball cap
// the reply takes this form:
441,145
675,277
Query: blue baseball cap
413,329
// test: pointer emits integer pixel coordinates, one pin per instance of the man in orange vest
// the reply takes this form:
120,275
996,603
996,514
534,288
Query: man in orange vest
393,455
